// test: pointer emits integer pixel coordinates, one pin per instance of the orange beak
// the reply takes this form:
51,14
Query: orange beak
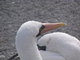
51,26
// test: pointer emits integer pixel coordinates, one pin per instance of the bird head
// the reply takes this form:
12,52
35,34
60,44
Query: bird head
37,28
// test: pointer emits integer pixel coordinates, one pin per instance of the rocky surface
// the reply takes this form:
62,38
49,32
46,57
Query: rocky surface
15,12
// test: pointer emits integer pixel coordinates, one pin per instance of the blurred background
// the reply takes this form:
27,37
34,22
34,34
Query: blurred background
15,12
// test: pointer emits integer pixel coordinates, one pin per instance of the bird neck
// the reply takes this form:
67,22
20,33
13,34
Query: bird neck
27,48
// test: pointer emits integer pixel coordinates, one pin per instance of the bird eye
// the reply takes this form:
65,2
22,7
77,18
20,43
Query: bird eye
42,27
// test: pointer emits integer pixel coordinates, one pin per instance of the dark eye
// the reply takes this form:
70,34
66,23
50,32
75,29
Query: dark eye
42,27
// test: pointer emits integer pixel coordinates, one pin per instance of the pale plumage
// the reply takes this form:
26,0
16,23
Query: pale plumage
63,44
26,43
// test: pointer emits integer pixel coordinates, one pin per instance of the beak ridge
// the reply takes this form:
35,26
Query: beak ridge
51,26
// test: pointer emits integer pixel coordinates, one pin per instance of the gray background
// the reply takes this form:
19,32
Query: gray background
15,12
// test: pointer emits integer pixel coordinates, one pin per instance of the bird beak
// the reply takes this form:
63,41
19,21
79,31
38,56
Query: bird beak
51,26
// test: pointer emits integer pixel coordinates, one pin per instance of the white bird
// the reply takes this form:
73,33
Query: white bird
62,43
26,41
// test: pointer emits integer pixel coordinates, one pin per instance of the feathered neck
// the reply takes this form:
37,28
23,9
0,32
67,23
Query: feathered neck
27,47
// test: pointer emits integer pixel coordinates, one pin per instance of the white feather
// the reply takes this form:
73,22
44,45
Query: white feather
60,46
63,44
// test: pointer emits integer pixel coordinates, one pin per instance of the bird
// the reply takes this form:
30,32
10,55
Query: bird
26,41
62,43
